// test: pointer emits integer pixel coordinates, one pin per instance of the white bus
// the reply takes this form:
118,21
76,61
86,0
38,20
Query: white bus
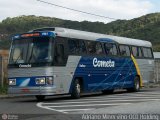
52,61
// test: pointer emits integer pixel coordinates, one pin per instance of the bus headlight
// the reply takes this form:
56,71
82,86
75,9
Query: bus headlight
49,80
12,81
40,81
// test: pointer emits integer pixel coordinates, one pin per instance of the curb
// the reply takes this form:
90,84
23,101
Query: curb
152,86
3,96
9,97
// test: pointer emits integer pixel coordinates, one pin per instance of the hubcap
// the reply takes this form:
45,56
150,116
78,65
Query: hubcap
78,88
137,85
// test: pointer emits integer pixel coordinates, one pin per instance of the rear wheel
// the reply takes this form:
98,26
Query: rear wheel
136,86
76,90
40,97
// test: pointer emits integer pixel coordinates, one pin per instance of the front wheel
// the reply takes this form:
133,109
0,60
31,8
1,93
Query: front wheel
136,86
76,90
40,97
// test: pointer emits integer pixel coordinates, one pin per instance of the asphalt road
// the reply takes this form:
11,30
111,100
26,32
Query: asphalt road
147,101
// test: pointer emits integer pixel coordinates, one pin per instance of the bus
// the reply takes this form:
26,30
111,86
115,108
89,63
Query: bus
55,61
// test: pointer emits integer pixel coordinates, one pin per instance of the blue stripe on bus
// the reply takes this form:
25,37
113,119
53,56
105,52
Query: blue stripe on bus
27,81
99,78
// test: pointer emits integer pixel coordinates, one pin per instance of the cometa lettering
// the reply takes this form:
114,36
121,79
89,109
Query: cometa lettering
25,66
102,63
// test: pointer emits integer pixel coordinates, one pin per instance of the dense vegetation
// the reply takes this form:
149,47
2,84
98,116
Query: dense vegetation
3,90
146,27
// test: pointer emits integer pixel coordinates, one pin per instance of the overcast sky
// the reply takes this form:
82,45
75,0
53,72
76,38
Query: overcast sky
119,9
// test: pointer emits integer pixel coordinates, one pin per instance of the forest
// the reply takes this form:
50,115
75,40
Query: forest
146,27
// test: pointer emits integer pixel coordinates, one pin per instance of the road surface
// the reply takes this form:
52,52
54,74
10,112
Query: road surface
147,101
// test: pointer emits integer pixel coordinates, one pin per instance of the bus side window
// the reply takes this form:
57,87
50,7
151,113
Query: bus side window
124,50
135,51
147,52
91,47
99,49
94,48
76,46
82,47
59,55
150,53
110,49
140,52
72,46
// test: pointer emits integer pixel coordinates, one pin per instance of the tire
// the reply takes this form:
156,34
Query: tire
107,91
76,90
136,86
40,98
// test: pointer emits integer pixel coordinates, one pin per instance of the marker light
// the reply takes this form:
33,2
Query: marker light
30,35
51,34
12,81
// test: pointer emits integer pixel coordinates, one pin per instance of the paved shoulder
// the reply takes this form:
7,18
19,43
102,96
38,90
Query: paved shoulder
115,103
150,107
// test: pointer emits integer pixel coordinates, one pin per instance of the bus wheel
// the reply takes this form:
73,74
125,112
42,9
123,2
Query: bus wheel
136,86
107,91
76,91
40,97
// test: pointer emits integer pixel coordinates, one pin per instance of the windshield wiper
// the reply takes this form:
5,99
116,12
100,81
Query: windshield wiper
18,58
16,61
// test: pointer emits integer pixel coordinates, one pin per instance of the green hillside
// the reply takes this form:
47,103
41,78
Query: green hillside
146,27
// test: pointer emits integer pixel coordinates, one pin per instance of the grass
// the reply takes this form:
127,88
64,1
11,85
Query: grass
3,90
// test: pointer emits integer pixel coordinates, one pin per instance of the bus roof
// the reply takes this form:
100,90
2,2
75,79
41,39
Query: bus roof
71,33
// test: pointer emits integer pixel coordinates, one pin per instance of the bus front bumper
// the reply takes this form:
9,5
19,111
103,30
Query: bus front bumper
32,91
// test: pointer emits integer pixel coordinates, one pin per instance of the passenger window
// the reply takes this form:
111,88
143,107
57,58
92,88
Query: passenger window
95,48
139,52
150,53
135,51
110,49
147,52
72,46
76,46
124,50
99,49
82,46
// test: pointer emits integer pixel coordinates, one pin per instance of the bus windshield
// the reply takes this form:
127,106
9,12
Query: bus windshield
31,51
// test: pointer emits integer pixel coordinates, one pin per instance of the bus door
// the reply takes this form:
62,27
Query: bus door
60,60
